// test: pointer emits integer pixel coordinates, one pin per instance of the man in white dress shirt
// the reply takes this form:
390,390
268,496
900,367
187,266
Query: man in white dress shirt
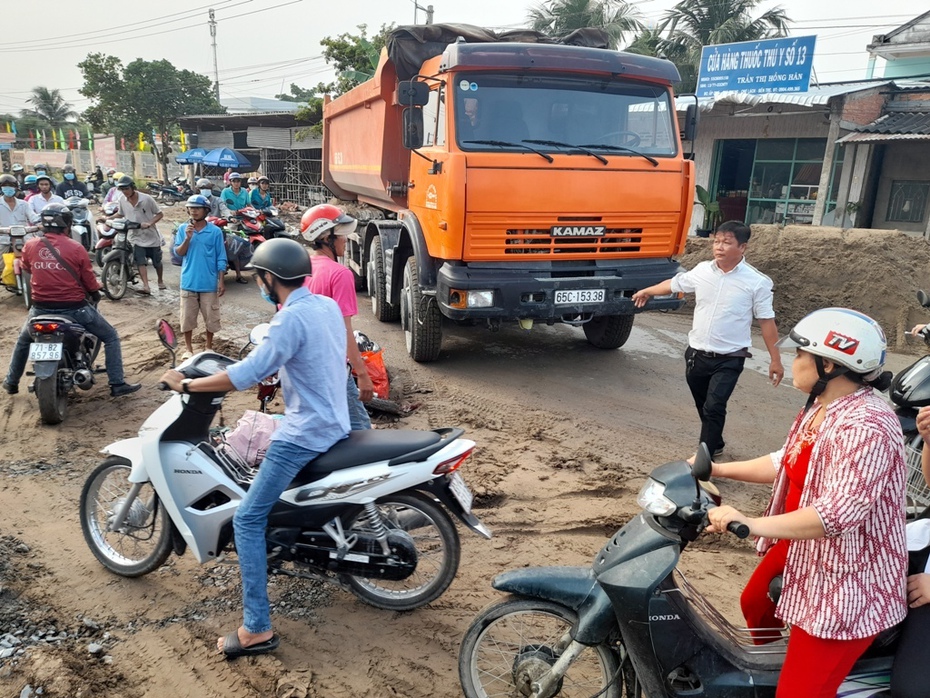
729,293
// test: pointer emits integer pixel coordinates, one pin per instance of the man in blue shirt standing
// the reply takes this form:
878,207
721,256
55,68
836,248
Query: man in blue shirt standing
203,252
306,347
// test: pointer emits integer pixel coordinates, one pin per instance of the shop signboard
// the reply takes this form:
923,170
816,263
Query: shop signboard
757,67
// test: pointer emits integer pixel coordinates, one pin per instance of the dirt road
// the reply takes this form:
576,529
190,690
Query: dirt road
565,435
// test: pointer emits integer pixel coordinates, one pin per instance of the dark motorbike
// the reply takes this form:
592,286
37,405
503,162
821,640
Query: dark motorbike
63,355
83,229
118,268
170,194
910,390
631,625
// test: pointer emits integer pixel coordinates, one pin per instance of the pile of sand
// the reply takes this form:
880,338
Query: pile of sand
875,271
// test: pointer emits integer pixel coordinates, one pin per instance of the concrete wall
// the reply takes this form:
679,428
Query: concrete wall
902,161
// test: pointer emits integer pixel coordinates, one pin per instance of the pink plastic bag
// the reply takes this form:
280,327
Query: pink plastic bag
252,435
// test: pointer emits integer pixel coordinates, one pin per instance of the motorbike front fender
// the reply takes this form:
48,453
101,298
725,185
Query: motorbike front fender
119,255
131,450
45,369
574,587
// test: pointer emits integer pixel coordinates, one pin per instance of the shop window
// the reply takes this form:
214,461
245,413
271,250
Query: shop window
907,202
786,179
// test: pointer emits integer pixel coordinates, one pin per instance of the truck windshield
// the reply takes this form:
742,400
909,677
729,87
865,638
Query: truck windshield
622,116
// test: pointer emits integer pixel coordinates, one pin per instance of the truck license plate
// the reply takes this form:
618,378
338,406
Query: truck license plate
460,491
591,295
41,351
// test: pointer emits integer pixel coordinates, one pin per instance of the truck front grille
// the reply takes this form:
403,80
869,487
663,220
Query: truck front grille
538,241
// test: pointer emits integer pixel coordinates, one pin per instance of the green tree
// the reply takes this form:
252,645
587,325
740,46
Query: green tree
49,106
297,94
354,56
559,18
143,96
692,24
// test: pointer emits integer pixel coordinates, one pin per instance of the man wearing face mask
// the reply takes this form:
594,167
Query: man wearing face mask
70,186
201,247
306,347
14,211
45,196
43,170
205,187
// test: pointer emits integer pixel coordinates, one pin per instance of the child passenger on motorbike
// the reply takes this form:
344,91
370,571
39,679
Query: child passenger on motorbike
306,347
834,525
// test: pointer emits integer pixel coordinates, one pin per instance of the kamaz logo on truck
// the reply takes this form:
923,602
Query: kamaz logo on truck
577,231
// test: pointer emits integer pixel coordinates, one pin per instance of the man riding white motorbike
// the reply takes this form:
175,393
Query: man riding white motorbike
306,346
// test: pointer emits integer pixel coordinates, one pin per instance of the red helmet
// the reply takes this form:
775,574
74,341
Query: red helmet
320,219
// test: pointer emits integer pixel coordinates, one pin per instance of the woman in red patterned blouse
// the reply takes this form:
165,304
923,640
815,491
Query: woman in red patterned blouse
835,524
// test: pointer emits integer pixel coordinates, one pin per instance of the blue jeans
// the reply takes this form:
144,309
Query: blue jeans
92,321
358,415
282,463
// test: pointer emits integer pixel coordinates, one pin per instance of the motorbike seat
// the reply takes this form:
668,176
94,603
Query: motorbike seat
371,446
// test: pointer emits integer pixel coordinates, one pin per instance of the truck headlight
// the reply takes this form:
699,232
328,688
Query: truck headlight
471,299
652,498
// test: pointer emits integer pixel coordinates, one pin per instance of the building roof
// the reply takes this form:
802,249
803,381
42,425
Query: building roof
904,34
257,105
898,126
814,97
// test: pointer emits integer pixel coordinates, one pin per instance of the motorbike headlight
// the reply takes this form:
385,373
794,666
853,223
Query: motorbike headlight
652,498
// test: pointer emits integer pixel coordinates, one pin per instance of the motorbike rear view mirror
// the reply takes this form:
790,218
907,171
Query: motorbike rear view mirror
923,298
259,333
168,338
702,463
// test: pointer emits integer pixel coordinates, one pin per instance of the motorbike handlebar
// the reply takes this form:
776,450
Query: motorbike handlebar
740,530
163,386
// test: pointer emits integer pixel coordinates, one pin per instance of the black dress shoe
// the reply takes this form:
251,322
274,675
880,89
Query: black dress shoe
10,388
124,389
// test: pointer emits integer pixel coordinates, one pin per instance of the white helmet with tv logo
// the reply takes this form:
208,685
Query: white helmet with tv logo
845,337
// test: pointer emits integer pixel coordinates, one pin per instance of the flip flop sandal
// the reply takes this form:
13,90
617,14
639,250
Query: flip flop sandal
232,648
142,292
162,287
242,281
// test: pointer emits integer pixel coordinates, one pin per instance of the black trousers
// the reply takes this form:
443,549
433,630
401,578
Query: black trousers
712,381
909,677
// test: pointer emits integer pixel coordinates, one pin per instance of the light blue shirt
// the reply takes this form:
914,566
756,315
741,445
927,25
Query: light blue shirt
204,260
306,345
233,202
259,201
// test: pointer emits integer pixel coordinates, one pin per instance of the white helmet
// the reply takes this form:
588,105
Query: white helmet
845,337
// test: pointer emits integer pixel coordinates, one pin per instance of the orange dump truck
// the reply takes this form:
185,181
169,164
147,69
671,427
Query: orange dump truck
513,180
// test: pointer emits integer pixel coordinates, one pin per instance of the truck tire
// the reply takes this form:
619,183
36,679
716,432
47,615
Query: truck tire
608,331
420,318
377,286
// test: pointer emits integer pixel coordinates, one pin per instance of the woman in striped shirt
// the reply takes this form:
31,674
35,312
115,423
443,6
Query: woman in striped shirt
835,524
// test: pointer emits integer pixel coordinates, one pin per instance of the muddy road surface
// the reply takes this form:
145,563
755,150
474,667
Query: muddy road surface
565,433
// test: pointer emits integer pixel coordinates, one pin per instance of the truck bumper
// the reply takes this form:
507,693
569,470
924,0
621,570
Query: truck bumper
531,292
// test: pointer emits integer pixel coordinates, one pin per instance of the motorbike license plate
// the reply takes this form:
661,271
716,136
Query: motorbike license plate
589,295
460,491
45,351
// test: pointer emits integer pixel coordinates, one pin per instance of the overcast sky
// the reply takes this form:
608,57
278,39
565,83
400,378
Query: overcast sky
263,45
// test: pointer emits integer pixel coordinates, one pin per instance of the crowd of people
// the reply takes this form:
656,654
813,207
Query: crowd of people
834,528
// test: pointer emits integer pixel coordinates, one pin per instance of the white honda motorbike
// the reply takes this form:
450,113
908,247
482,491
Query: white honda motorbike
370,515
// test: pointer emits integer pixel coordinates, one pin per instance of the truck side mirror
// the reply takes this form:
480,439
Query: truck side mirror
412,94
413,128
691,121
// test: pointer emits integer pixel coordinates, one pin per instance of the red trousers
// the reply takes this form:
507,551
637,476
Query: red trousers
814,667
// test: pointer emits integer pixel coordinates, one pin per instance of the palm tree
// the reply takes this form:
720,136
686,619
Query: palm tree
692,24
561,17
49,105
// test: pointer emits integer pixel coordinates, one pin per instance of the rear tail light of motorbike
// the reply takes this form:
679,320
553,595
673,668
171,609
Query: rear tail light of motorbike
453,464
45,327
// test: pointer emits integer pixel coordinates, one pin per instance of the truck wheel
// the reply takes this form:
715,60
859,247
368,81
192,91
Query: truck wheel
377,286
608,331
420,318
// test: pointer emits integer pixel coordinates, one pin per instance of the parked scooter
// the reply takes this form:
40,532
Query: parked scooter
371,514
63,355
910,390
170,194
631,625
14,278
119,269
82,228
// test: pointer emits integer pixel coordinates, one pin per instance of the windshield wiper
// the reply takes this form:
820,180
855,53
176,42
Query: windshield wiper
508,144
559,144
601,146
